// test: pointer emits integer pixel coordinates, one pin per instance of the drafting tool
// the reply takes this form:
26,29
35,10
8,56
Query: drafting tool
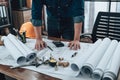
50,48
74,54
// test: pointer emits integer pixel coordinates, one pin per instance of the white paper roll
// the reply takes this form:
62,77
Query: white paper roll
78,62
14,51
113,66
29,54
90,65
98,72
13,39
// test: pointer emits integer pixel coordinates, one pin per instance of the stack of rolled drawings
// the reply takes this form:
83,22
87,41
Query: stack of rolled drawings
101,61
111,71
19,51
78,62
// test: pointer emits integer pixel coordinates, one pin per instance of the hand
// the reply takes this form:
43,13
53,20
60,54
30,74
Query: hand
74,45
40,44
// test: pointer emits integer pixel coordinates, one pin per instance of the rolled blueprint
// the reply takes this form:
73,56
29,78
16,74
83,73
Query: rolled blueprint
28,53
78,62
14,51
113,66
90,65
98,72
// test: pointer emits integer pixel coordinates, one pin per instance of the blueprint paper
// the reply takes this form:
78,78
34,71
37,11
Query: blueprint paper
113,66
63,73
90,65
57,75
14,51
78,62
98,73
65,53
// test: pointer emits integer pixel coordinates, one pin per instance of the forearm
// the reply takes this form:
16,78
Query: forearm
38,32
77,30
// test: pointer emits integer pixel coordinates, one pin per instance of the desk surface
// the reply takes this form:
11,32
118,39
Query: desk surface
25,74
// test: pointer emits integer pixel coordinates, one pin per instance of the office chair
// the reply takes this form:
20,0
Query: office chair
107,24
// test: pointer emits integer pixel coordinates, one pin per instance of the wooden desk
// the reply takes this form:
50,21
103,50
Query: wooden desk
25,74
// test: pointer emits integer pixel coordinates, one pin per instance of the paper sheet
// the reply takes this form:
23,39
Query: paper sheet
58,75
66,53
63,52
69,73
3,52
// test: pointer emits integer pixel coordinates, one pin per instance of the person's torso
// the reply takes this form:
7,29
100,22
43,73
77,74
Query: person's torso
59,8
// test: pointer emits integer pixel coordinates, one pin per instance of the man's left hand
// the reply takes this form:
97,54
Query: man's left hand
75,44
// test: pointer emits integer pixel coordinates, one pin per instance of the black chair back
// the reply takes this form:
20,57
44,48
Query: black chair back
107,24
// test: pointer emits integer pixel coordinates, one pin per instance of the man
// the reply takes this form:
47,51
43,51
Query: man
64,20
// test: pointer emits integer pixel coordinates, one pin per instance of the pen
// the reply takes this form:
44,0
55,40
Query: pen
19,66
50,48
74,54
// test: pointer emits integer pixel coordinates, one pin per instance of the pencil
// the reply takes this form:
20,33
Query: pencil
50,48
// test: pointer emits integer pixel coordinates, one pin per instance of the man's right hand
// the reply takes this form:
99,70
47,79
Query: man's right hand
40,44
